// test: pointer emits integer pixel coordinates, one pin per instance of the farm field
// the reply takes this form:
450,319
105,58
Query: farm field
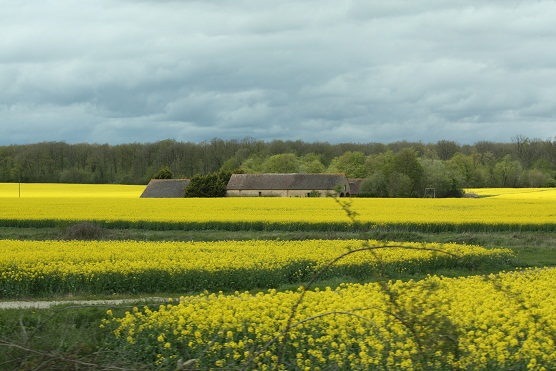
42,268
513,210
259,292
517,193
42,190
442,324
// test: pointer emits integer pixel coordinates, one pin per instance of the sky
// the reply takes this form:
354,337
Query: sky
360,71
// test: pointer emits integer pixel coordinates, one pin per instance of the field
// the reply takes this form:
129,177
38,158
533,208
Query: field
515,193
27,190
42,268
527,210
272,283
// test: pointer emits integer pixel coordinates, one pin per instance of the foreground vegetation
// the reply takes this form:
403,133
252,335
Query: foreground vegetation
433,324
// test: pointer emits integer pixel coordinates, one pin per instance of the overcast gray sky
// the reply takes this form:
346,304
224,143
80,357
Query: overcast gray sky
120,71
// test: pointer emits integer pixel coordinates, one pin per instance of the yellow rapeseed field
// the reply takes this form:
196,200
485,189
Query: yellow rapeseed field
515,193
488,211
42,267
498,322
42,190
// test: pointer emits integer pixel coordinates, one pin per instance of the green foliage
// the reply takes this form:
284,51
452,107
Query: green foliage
75,176
439,176
483,164
314,194
282,163
400,185
210,185
64,337
311,164
466,168
410,170
231,165
405,175
374,186
507,173
350,163
164,173
254,164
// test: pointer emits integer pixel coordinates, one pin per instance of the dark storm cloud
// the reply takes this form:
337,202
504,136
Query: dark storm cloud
140,71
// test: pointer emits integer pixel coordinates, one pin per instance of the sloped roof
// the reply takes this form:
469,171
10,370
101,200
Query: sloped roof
165,188
294,181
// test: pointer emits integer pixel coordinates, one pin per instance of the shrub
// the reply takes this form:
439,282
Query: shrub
164,173
84,231
210,185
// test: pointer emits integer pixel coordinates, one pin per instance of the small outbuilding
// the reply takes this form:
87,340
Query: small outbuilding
287,185
165,188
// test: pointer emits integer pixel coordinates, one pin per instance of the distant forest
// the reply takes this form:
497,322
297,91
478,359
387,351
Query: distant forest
412,166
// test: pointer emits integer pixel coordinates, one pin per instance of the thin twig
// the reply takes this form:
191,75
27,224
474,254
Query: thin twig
76,362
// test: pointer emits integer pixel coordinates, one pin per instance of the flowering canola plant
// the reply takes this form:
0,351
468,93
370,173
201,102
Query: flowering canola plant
46,267
515,193
497,322
62,190
281,213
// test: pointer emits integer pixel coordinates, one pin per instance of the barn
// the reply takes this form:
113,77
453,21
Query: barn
165,188
287,185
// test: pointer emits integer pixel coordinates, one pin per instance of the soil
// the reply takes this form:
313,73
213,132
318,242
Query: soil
28,304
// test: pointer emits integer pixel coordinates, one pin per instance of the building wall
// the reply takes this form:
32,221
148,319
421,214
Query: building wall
275,193
344,189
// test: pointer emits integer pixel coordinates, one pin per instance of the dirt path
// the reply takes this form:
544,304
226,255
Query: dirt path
47,304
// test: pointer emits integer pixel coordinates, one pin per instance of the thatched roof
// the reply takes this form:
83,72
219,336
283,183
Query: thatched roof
165,188
286,181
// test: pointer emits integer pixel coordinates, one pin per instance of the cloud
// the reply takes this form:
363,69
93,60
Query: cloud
121,71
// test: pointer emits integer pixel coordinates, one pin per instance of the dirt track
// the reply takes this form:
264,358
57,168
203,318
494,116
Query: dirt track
48,304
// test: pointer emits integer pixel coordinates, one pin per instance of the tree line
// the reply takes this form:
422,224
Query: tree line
394,169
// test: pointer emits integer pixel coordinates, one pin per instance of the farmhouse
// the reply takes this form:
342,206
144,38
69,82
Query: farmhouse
165,188
287,185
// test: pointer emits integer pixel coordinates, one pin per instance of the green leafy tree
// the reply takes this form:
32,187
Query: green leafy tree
446,149
374,186
535,178
137,163
352,164
507,173
311,164
439,176
75,176
379,162
210,185
464,168
164,173
407,164
253,164
232,164
281,163
400,185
